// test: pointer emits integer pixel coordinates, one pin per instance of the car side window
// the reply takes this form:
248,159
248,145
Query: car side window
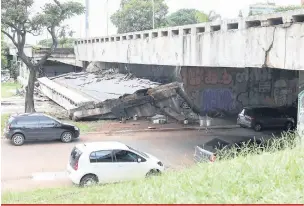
102,156
127,156
46,121
27,122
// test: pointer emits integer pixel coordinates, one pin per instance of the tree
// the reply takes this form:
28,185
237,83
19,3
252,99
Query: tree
137,15
18,20
62,42
3,53
288,8
186,16
213,16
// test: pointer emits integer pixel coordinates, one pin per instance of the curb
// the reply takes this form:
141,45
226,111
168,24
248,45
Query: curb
165,129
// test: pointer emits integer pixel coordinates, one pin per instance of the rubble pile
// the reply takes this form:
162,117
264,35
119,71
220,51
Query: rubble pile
123,96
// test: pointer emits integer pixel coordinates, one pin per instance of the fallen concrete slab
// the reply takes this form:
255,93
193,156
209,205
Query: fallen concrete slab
110,95
104,85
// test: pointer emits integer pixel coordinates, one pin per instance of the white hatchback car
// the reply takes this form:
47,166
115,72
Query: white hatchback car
109,162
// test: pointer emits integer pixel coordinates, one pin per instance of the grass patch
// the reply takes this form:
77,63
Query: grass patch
87,126
4,118
8,89
275,176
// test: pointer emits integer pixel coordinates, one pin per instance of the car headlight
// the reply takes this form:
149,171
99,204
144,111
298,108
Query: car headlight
160,163
76,128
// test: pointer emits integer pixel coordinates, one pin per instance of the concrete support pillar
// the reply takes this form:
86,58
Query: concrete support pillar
264,23
85,64
300,123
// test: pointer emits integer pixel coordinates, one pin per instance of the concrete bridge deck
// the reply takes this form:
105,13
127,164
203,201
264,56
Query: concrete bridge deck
274,41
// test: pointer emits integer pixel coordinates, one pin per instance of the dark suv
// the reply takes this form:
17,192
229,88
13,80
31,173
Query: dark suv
36,126
260,118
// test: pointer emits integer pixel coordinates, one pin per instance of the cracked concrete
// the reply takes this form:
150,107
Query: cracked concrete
266,60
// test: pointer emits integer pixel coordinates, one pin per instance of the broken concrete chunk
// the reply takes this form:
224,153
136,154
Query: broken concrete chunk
159,119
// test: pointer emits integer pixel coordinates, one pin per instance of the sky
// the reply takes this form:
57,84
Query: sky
100,11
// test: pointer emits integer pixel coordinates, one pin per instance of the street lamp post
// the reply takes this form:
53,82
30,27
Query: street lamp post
153,10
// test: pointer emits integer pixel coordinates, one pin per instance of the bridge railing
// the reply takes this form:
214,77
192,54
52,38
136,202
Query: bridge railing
274,19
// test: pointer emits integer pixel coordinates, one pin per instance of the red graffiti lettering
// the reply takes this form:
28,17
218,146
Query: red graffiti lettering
194,76
226,78
211,77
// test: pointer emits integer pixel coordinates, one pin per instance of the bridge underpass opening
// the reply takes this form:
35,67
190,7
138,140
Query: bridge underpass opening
222,89
231,89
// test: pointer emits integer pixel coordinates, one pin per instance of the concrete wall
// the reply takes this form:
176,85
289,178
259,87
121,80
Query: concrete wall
157,73
51,69
230,89
274,40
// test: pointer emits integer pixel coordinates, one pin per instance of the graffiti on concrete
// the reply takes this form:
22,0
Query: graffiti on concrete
230,89
217,99
264,87
280,92
185,109
199,76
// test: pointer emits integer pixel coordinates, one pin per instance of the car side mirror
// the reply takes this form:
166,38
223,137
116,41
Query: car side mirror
139,160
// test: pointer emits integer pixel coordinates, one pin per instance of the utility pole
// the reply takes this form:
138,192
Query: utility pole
153,10
107,1
87,5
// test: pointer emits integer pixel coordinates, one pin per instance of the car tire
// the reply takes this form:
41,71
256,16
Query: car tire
257,127
289,126
88,180
152,173
66,137
18,139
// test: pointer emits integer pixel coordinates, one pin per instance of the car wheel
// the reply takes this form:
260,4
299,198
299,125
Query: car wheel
152,173
88,180
66,137
288,126
257,127
18,139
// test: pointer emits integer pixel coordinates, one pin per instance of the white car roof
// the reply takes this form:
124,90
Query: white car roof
104,145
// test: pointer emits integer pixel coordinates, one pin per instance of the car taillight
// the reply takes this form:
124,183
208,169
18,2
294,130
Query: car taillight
212,158
75,166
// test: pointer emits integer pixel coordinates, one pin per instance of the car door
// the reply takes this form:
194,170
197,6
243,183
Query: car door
49,128
266,117
101,164
29,125
128,166
279,118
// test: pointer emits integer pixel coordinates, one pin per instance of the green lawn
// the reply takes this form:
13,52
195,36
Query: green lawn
87,126
271,177
8,89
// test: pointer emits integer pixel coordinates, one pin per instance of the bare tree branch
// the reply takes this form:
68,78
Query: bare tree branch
53,47
12,38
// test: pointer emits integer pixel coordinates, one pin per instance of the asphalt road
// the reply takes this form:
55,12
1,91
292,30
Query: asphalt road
42,164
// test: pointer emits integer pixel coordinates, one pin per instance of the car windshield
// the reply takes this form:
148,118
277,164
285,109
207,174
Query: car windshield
138,152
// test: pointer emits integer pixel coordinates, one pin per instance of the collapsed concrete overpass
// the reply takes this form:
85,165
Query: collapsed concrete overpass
223,65
61,61
274,41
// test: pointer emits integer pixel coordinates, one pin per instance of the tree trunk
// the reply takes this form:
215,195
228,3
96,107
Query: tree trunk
29,97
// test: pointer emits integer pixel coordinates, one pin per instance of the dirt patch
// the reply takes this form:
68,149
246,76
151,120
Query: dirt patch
134,125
